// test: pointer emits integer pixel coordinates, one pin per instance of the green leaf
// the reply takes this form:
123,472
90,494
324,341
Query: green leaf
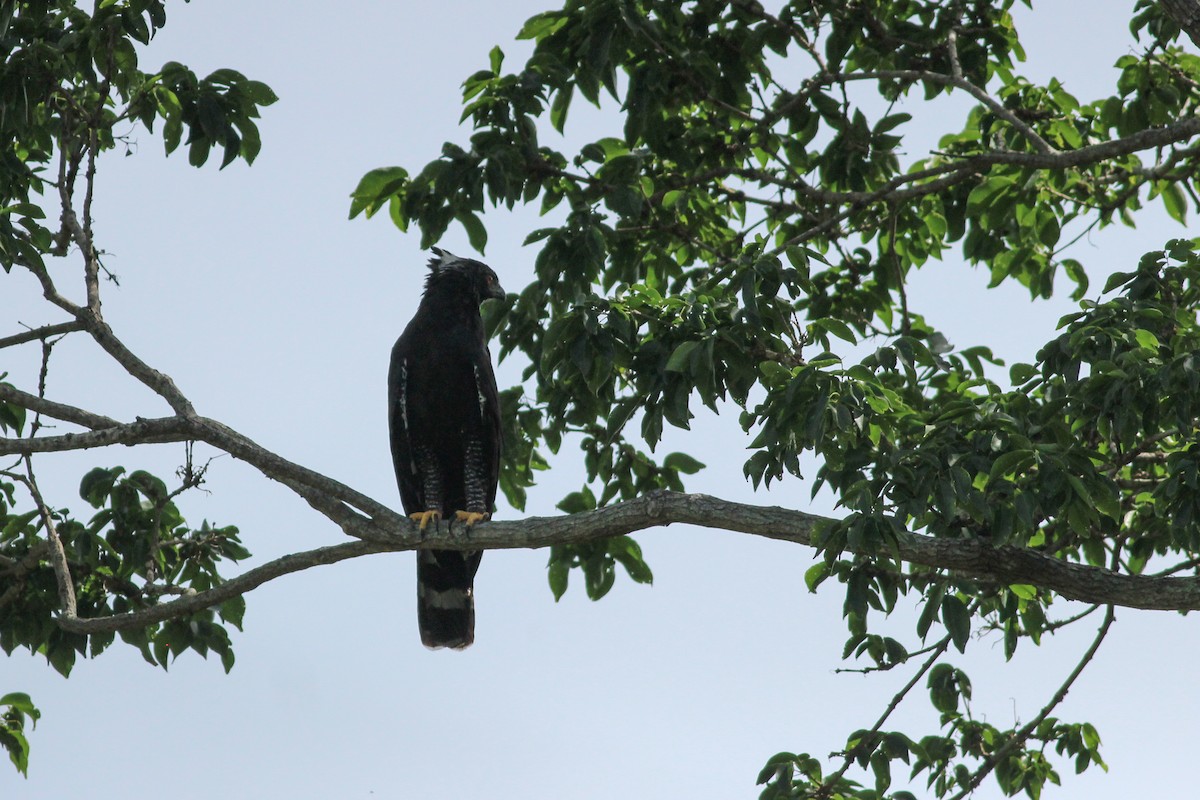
957,620
21,702
943,691
1146,340
627,551
1118,279
814,575
376,188
557,573
682,462
1175,202
97,484
476,233
576,502
1020,374
1023,591
678,362
12,417
837,328
1010,462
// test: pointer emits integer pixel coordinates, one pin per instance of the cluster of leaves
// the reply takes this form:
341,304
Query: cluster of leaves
1090,458
70,78
950,763
746,230
954,760
656,285
1098,429
70,86
15,709
136,550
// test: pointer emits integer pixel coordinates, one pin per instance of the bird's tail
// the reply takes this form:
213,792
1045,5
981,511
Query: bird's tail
446,597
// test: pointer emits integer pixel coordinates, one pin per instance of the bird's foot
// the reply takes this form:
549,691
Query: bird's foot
470,517
424,518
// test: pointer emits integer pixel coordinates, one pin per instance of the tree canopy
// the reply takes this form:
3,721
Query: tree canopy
742,242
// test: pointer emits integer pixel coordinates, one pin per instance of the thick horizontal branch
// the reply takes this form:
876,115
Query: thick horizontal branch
973,558
372,522
966,557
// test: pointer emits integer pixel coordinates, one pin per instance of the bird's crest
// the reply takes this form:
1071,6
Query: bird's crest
443,259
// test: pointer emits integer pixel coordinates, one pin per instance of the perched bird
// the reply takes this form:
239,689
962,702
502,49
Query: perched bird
444,420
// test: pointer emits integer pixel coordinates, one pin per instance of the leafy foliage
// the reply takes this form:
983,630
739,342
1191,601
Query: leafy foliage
71,79
743,242
136,550
70,87
18,707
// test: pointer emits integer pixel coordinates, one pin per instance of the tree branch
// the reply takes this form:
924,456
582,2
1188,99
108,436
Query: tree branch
219,594
50,408
42,333
957,82
144,431
58,556
973,557
967,557
1186,14
1022,735
937,650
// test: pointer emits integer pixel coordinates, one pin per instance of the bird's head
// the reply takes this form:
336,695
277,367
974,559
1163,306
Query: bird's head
462,275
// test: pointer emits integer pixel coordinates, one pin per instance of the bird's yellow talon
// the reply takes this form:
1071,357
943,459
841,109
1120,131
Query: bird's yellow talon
424,517
470,517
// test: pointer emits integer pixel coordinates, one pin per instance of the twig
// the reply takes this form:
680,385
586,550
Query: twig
42,333
58,557
957,82
956,71
890,665
939,648
233,587
1017,740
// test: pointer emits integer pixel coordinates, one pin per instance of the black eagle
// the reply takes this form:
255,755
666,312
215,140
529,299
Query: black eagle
444,419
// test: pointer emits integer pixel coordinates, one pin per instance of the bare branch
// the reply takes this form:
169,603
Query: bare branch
956,71
160,383
42,333
234,587
273,466
58,557
322,492
144,431
50,408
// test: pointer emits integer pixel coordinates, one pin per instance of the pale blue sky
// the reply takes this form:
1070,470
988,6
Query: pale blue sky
276,315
